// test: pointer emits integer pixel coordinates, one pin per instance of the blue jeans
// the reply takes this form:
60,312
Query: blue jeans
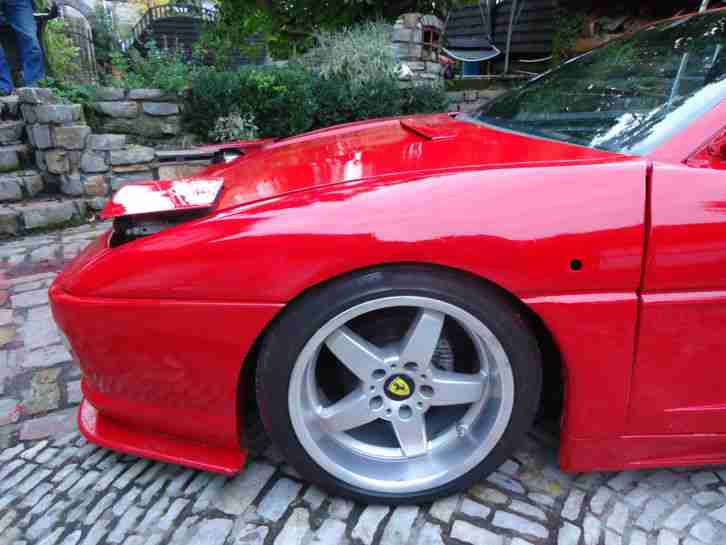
19,13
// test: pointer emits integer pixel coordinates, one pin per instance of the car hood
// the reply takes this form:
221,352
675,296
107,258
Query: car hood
395,147
378,148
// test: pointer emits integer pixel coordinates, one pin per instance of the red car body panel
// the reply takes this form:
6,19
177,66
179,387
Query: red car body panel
598,379
163,325
684,306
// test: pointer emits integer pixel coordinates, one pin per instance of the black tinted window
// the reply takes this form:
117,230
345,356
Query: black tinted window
629,96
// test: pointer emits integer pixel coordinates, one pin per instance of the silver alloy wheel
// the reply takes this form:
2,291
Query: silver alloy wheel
397,383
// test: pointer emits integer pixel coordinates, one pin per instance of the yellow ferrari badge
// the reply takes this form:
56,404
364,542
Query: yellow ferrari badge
399,387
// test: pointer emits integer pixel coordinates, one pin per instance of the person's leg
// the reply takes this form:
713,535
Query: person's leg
6,78
20,16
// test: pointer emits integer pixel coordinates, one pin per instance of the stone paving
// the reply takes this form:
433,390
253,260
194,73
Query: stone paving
55,488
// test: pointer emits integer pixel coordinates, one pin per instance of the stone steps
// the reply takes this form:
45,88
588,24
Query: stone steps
46,212
15,157
55,170
11,132
75,169
19,185
14,153
10,107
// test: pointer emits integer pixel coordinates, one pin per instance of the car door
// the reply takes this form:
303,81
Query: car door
679,374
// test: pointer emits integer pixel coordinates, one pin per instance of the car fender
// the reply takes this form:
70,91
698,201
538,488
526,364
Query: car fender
537,231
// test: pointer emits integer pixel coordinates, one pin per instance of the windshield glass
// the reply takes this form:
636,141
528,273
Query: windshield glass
629,96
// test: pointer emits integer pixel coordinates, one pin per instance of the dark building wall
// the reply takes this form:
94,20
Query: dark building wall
655,8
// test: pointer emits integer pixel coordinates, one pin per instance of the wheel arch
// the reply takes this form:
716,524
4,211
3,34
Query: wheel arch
552,400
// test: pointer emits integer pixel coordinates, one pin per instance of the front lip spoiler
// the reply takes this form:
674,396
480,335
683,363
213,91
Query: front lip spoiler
110,433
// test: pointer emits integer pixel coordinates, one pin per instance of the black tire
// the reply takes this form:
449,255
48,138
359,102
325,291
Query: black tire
289,334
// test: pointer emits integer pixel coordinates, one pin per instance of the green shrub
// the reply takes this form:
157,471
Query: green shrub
424,99
349,75
105,41
61,54
291,100
358,78
280,99
70,92
165,69
339,101
221,43
212,95
359,54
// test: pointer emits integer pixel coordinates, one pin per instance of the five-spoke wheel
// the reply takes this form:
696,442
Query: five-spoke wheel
399,394
398,382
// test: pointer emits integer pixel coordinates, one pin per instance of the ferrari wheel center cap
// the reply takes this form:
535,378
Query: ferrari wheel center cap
399,387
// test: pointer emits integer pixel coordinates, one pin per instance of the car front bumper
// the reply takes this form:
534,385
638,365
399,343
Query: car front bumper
162,378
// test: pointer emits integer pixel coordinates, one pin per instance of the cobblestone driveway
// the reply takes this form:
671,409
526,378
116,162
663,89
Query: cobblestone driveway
57,489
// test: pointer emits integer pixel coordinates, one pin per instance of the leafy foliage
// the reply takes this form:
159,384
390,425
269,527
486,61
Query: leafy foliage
349,75
237,31
165,69
281,99
357,77
105,40
60,51
235,127
339,101
289,26
69,91
213,94
359,54
424,99
287,101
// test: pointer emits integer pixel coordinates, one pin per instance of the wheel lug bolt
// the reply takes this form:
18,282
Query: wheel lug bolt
427,391
376,403
411,366
378,374
405,412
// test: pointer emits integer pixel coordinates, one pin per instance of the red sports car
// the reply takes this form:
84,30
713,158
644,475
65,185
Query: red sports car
398,295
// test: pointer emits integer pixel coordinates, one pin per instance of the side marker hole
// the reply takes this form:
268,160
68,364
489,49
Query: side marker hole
576,265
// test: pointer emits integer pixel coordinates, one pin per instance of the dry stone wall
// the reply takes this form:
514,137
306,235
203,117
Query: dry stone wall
145,116
56,169
75,160
72,160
